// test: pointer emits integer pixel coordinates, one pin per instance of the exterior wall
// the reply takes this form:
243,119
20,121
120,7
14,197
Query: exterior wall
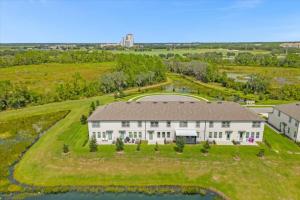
203,131
291,127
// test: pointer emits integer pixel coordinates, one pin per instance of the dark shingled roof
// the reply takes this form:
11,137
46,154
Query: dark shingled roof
292,109
217,111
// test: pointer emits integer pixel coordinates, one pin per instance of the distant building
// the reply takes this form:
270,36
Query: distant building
290,45
127,41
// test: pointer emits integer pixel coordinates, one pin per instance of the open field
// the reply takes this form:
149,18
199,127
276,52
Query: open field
186,50
277,75
44,78
234,170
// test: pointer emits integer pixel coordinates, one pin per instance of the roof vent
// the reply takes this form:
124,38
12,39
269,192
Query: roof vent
138,102
165,102
128,102
181,102
192,102
209,102
219,102
155,102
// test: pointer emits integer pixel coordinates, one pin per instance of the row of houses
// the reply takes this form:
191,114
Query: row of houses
161,122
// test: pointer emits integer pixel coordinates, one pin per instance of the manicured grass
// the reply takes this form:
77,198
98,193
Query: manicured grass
234,170
44,78
16,136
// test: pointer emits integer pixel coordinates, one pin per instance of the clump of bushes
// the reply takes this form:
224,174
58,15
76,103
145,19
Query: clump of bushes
261,153
138,147
119,145
179,145
206,147
156,148
65,148
83,119
93,144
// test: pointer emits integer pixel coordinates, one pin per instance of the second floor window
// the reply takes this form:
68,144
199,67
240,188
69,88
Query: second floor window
154,123
95,124
183,124
225,124
125,124
255,124
168,124
139,123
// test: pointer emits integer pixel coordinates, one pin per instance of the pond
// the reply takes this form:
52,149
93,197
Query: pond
122,196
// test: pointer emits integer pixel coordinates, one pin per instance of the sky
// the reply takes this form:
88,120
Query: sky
97,21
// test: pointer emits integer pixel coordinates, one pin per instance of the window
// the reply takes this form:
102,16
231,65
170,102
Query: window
210,135
163,134
103,135
168,124
154,123
252,134
94,134
139,123
225,124
215,134
247,134
220,134
150,135
255,124
197,124
278,113
99,135
95,124
295,134
183,124
125,124
211,124
296,124
290,119
135,134
158,134
198,134
168,135
130,134
257,135
122,134
140,134
289,130
109,135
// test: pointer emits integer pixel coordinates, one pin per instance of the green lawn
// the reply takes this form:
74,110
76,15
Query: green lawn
44,78
234,170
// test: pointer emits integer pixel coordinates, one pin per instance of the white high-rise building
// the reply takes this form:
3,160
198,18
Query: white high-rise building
127,41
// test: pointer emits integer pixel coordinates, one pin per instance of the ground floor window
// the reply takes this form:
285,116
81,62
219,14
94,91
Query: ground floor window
158,134
130,135
168,135
257,134
163,134
122,134
210,135
247,134
140,134
135,134
215,134
94,134
198,134
99,135
220,134
150,135
103,135
252,134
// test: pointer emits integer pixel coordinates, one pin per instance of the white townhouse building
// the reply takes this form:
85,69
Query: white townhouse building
195,121
286,119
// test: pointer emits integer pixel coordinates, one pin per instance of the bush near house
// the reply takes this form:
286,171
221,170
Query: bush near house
93,144
119,145
179,145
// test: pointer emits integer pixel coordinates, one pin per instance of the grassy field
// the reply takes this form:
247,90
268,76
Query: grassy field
16,136
234,170
277,75
45,77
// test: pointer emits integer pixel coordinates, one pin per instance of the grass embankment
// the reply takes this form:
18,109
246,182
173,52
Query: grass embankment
234,170
16,135
44,78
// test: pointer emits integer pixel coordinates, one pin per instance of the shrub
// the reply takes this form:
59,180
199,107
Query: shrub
156,148
65,148
83,119
92,106
179,145
119,145
97,103
93,144
206,147
138,147
261,153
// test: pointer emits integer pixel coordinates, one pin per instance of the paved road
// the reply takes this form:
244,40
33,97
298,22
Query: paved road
167,98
